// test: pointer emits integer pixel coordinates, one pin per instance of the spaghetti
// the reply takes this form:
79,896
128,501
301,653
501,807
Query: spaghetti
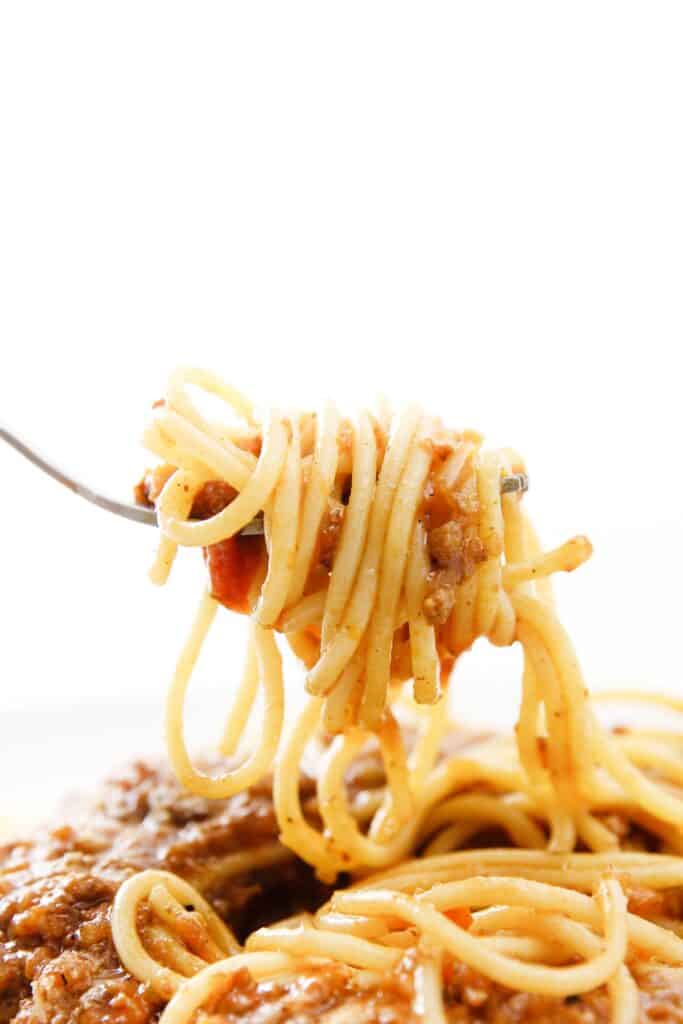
553,925
388,549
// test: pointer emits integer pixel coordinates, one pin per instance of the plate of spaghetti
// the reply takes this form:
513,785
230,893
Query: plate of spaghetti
366,858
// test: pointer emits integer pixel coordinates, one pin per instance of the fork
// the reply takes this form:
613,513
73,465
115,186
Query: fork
516,482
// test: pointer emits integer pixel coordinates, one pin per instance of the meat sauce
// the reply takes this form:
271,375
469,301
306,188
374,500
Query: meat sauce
449,512
328,994
236,566
58,964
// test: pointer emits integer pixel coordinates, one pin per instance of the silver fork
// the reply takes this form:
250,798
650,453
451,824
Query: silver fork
516,482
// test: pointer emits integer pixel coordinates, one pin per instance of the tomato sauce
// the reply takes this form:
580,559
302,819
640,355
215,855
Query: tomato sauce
236,566
460,916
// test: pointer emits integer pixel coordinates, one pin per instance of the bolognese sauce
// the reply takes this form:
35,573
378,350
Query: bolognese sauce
59,965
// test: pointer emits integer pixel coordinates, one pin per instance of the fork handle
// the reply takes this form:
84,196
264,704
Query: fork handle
137,513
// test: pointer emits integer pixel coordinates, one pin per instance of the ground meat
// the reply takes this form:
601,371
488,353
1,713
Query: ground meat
71,988
660,903
456,552
445,543
455,548
470,998
58,964
330,529
466,498
237,565
329,994
441,593
211,498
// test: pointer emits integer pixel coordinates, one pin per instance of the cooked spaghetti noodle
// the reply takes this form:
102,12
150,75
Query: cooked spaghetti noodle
554,925
388,549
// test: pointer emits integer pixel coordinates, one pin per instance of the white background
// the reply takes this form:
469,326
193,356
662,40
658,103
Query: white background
478,205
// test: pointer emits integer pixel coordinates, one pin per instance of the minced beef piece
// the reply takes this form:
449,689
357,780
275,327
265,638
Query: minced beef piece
330,529
211,498
445,543
455,552
440,594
